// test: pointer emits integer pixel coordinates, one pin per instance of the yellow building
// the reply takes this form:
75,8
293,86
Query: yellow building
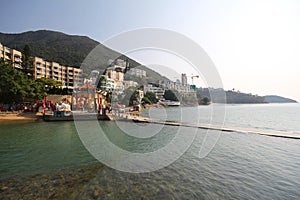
11,54
70,77
115,72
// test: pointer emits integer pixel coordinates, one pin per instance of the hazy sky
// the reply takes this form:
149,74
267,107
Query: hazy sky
254,44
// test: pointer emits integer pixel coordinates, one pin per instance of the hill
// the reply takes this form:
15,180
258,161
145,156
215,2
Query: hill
232,97
70,50
53,46
237,97
278,99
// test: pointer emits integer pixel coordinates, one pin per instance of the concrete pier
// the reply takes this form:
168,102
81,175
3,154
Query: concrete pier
139,119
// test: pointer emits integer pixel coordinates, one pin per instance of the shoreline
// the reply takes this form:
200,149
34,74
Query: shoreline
8,117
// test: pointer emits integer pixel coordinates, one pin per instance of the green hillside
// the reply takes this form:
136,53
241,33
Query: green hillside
68,50
53,46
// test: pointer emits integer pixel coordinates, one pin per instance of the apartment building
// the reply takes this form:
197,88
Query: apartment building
116,72
177,85
159,92
137,72
70,77
107,83
128,84
12,55
184,79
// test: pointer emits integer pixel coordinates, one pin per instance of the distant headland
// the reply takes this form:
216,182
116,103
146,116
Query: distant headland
278,99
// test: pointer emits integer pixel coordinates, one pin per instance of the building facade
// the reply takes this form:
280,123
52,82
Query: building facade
11,54
158,91
69,77
184,79
170,85
137,72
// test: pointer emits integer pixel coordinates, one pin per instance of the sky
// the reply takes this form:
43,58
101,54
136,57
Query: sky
254,44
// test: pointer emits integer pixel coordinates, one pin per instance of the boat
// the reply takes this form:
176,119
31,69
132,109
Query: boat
169,103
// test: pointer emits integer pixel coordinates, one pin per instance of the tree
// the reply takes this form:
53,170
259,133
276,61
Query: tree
14,85
205,101
171,95
151,96
27,66
127,98
146,100
49,85
202,100
102,82
134,98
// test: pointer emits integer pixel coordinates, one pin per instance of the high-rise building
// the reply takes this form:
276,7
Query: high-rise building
184,79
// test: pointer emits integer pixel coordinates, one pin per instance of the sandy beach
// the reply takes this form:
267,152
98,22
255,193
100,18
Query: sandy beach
18,116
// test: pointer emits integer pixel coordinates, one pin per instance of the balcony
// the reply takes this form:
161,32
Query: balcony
17,65
39,76
17,59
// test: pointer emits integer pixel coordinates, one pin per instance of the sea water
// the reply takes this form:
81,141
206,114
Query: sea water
239,166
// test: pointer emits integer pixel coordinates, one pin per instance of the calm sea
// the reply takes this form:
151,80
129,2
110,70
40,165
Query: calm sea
239,166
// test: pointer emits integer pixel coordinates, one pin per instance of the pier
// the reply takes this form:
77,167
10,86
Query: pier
139,119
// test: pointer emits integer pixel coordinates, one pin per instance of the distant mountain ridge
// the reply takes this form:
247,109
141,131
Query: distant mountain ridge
70,50
237,97
278,99
52,46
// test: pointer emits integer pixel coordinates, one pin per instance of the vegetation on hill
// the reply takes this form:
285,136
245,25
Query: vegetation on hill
52,46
